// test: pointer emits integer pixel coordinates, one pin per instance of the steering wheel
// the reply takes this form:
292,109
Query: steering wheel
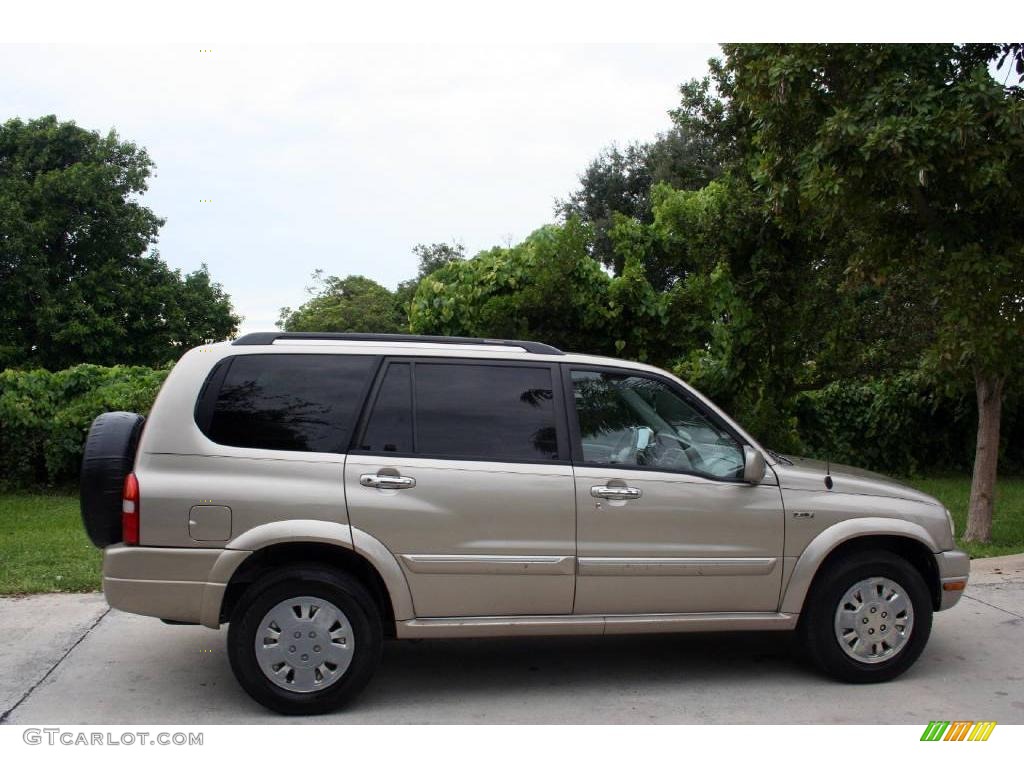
625,450
669,449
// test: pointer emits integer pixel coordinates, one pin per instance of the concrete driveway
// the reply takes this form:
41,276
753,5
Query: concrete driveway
67,659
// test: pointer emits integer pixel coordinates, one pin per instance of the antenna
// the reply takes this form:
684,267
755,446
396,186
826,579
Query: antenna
828,470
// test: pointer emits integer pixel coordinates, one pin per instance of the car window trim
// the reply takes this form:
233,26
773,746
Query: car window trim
576,440
562,439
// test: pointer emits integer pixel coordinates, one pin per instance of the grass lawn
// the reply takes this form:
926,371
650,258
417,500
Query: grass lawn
1008,522
43,547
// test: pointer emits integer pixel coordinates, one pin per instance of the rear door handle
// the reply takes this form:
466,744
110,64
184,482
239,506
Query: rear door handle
617,492
388,482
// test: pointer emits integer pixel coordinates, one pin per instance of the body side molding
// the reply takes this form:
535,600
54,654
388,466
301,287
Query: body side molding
539,626
548,565
676,566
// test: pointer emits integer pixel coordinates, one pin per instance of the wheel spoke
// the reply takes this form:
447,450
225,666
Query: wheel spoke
303,679
898,603
273,653
338,656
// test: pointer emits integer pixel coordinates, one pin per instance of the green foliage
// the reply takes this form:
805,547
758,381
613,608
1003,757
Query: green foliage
430,258
901,424
76,282
915,154
770,315
919,147
44,416
888,424
550,287
354,303
618,182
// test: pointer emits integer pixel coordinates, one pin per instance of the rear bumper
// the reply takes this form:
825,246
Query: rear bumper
954,569
169,583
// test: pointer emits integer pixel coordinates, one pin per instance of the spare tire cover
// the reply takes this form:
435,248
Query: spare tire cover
109,455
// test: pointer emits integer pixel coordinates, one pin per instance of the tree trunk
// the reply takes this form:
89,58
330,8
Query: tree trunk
983,485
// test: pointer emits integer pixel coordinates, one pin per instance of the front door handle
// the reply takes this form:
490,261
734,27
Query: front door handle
387,482
617,492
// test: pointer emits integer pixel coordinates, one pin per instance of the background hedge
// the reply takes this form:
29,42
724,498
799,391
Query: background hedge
44,416
902,425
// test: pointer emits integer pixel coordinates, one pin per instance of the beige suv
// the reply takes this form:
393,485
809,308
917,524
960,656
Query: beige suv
323,492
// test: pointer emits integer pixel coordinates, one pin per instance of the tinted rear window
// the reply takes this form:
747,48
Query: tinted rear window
485,412
389,429
289,402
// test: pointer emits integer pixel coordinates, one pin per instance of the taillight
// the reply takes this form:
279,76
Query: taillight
130,510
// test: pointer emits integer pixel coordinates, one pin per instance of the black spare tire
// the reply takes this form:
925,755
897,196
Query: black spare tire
109,455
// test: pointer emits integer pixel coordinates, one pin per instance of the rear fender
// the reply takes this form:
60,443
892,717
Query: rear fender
337,534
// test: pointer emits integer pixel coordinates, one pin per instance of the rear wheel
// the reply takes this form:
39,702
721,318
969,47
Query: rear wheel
868,618
305,640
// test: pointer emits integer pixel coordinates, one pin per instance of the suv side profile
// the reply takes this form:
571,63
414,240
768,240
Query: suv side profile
322,492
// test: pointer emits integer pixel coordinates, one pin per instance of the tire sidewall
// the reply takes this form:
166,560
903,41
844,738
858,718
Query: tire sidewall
345,593
819,628
108,455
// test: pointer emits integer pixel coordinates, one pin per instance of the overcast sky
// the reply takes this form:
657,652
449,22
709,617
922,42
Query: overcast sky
344,157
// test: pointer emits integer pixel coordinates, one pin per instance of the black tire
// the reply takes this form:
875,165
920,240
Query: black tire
316,581
108,456
817,622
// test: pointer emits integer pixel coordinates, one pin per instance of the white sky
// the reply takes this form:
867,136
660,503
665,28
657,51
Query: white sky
345,156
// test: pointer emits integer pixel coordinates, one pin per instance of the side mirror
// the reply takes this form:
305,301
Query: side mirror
753,465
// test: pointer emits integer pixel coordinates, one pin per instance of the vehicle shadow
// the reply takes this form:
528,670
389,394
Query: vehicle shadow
447,675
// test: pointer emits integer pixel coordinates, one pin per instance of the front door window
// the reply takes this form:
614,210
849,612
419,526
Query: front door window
639,421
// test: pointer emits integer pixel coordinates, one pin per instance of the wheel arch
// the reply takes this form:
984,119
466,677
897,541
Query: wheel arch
903,538
356,553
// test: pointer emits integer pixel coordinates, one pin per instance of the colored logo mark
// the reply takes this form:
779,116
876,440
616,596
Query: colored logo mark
958,730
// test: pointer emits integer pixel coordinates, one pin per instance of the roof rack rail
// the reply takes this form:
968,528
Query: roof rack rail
269,337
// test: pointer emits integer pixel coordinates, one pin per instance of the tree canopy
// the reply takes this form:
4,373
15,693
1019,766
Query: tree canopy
77,280
916,154
337,304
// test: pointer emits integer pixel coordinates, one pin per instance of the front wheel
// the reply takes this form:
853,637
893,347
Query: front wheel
868,618
304,640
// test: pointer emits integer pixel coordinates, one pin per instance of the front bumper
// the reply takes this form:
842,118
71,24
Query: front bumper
184,585
954,569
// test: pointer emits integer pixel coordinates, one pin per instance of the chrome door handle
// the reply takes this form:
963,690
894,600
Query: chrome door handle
617,492
393,482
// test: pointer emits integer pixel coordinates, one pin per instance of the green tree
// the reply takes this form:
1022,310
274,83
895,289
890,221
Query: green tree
76,281
550,288
619,181
918,153
354,303
430,258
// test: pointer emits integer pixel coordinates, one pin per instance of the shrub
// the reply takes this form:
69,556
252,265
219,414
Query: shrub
901,425
44,416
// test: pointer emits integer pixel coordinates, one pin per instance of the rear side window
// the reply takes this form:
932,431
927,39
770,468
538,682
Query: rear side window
389,429
287,402
472,411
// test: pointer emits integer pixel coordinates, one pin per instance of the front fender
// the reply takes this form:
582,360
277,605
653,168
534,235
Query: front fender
824,543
